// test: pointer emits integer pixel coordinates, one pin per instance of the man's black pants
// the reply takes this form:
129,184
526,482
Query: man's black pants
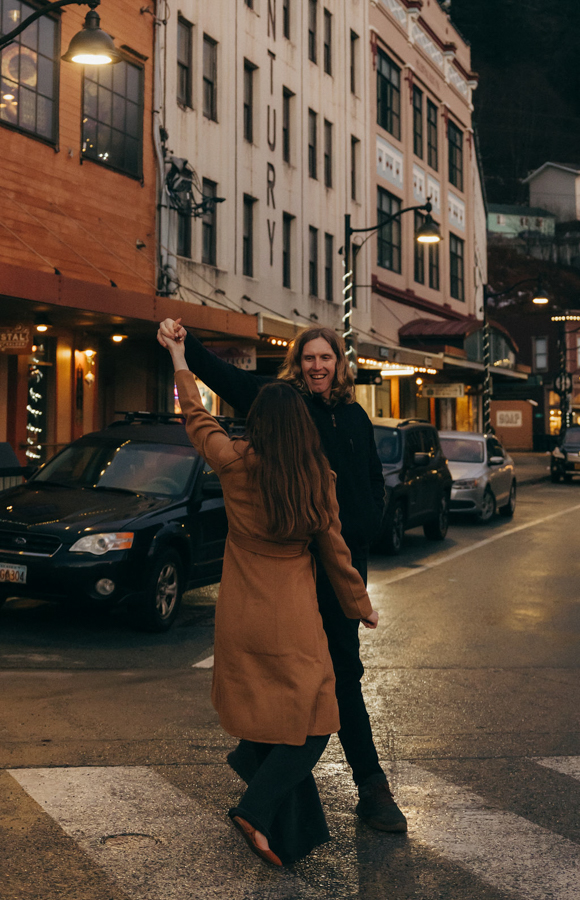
342,634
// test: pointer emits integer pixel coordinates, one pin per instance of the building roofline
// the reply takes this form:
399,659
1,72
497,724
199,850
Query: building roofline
562,166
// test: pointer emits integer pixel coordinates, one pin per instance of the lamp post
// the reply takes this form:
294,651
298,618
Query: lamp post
563,382
540,299
428,233
91,46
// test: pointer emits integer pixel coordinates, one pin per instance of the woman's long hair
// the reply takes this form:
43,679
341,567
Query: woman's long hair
291,369
291,473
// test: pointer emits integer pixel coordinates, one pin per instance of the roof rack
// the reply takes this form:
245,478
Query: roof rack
413,422
141,416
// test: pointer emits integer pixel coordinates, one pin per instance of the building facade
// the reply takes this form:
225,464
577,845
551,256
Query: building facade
264,109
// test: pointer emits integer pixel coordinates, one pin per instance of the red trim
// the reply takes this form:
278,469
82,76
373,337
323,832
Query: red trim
374,48
469,76
413,4
409,298
441,44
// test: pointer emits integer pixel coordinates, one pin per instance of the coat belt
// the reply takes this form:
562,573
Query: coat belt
267,548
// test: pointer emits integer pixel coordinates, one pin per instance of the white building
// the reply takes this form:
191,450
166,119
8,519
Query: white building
265,100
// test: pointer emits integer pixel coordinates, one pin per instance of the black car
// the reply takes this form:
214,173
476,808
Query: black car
417,480
565,458
128,514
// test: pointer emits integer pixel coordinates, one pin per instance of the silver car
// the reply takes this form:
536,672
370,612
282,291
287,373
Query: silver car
484,479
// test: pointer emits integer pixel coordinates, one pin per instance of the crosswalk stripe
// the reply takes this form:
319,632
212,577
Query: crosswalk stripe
567,765
206,663
153,839
500,847
157,842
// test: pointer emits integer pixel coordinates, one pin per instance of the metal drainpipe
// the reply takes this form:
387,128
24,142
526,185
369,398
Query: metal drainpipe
158,120
487,374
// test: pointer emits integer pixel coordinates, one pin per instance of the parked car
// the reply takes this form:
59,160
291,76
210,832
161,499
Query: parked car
130,514
565,457
484,478
417,480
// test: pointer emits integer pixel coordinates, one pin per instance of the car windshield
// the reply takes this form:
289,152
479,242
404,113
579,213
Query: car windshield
160,469
461,450
572,436
388,441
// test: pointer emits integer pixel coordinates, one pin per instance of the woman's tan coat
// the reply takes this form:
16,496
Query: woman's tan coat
273,679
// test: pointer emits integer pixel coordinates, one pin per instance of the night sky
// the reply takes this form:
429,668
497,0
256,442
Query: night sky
527,105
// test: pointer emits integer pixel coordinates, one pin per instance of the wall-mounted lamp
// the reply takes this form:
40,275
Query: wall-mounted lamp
118,338
42,323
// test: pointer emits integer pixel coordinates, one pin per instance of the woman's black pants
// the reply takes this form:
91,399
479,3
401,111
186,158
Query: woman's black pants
282,799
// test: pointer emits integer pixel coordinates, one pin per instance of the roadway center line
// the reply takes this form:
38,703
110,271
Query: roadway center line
450,556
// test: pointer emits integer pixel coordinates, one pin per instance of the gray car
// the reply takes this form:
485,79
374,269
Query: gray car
484,479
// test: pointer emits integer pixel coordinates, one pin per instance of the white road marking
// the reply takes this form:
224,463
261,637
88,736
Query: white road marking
451,556
204,663
567,765
503,849
166,846
163,846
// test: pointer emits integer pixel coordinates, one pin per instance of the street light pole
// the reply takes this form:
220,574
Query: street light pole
428,233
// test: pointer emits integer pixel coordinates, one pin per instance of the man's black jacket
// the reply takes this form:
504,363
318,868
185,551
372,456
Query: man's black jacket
345,430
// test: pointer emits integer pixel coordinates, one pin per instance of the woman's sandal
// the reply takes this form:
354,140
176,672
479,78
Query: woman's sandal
250,835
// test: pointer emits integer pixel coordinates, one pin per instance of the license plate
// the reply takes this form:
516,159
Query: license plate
12,574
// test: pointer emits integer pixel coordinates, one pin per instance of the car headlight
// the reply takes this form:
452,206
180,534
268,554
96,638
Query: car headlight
98,544
558,453
466,483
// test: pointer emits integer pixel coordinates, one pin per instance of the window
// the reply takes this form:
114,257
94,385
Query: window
500,219
183,234
389,236
248,236
419,251
327,154
112,129
456,267
327,42
434,266
312,29
312,150
388,95
286,111
184,53
353,61
286,18
313,261
354,151
455,138
29,85
418,122
432,140
540,354
209,225
249,101
328,267
287,250
209,78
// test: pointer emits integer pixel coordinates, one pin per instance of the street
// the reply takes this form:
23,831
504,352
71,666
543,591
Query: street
114,784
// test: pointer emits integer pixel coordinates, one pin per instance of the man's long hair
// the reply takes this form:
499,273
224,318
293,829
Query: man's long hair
291,473
291,369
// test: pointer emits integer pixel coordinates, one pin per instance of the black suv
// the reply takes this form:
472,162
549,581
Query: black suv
128,514
417,480
565,458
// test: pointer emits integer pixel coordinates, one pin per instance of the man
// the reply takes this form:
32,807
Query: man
316,366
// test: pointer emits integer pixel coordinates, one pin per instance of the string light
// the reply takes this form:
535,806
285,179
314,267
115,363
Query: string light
36,376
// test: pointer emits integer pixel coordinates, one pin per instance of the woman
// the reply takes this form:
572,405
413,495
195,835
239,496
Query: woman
273,683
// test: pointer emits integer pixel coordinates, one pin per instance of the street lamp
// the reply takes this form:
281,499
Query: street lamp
90,47
539,298
428,233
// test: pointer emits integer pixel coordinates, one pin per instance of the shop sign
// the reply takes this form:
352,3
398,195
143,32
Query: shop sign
244,357
16,339
443,390
509,418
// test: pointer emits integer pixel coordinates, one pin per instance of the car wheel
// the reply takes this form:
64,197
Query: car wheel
394,531
555,476
436,529
568,479
157,609
510,507
487,510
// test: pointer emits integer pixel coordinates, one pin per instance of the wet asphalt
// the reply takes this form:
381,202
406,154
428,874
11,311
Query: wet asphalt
471,678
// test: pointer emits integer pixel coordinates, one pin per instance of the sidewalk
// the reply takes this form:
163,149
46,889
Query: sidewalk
531,467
